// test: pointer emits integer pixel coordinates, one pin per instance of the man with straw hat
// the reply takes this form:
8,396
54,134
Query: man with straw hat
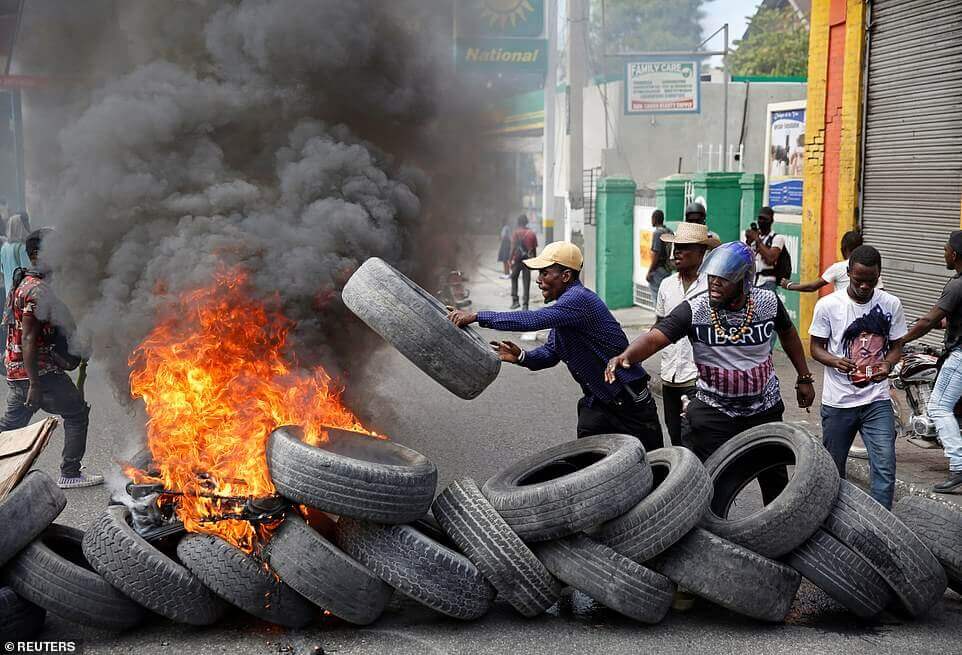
678,371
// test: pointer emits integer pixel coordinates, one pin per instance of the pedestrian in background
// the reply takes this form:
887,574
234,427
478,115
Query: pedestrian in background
836,274
13,255
658,269
524,245
856,334
768,248
678,370
504,251
695,213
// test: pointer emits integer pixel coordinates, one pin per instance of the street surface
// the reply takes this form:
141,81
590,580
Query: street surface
519,413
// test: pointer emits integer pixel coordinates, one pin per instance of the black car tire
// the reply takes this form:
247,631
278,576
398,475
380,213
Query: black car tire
244,581
324,574
842,573
479,532
19,619
352,474
893,550
676,503
730,575
416,323
147,575
571,487
53,573
792,517
418,566
611,579
31,506
939,526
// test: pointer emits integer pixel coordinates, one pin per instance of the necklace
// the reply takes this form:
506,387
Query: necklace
733,334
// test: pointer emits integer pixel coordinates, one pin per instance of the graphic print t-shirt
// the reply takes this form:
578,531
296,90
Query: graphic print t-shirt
735,377
862,333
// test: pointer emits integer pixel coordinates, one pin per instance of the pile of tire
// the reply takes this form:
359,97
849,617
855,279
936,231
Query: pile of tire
599,514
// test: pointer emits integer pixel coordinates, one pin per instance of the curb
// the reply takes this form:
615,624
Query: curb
858,472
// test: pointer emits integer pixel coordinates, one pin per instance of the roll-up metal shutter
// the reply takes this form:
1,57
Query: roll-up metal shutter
912,176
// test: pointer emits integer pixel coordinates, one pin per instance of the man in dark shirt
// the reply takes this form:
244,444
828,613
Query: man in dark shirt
948,386
584,335
658,270
524,244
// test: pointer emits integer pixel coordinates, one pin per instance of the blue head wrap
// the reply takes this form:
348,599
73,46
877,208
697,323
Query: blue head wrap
732,261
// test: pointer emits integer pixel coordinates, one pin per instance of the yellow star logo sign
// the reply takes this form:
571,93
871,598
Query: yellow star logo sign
501,13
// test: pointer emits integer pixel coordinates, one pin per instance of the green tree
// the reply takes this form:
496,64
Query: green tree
641,25
776,44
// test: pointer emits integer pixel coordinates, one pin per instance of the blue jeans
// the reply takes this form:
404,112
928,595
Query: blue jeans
59,395
876,422
948,389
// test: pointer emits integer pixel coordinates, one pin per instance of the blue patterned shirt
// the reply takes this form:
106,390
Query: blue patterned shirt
584,335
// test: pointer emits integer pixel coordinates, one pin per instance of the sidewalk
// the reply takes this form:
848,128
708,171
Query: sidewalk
917,469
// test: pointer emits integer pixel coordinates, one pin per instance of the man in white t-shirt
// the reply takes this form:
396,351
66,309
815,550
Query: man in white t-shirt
836,274
856,334
767,247
678,371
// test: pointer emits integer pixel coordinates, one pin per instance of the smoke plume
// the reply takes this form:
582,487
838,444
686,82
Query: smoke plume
294,139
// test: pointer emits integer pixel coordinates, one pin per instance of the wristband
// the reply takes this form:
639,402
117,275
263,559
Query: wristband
804,379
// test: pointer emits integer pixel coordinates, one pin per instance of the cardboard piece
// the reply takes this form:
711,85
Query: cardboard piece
18,451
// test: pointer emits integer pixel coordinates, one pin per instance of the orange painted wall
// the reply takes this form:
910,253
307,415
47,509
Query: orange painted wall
833,139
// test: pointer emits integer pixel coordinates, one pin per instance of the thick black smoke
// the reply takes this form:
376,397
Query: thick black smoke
295,139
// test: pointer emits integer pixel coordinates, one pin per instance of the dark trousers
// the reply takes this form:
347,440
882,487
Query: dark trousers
59,395
671,403
637,419
876,422
706,429
520,269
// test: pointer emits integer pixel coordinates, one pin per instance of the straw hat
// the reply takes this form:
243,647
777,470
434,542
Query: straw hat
691,233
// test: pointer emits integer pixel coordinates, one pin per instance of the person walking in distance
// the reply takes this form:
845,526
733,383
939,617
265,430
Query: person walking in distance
731,328
856,334
524,245
678,371
658,269
584,335
836,274
948,385
504,251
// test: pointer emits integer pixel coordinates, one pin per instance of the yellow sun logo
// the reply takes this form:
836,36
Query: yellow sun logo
501,13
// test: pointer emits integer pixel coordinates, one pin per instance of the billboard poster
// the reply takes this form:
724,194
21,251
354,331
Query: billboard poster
500,18
785,157
662,87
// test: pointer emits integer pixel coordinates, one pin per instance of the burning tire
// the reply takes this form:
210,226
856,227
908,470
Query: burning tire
841,573
729,575
893,550
939,526
792,517
611,579
19,619
418,566
414,322
244,581
325,575
147,575
677,502
481,534
352,475
571,487
53,573
32,505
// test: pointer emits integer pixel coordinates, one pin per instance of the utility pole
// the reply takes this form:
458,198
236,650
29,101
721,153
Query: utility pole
725,105
577,58
548,210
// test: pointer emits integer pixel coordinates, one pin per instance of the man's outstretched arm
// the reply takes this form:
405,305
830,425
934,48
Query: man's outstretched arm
638,350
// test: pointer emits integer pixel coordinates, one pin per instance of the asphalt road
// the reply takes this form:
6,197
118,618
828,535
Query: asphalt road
520,413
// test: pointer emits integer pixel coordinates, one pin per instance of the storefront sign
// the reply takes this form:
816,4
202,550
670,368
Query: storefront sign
483,55
500,18
785,156
660,87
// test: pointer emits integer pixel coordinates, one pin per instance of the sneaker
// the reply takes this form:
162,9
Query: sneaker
514,304
505,276
525,307
82,480
950,485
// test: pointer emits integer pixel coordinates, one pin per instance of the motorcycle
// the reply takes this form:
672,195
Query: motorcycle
452,290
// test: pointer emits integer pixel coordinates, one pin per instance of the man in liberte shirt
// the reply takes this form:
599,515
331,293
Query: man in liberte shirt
584,335
856,334
731,328
948,386
678,371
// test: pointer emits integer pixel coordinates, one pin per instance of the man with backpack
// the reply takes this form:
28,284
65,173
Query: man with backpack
524,245
772,261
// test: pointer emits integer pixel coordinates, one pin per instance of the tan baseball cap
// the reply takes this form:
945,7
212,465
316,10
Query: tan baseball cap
560,252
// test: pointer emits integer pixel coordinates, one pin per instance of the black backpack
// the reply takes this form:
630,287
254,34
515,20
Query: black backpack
783,267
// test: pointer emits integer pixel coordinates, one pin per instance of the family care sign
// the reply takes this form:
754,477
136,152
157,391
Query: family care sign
661,87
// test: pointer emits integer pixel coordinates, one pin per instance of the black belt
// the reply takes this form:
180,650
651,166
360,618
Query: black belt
633,393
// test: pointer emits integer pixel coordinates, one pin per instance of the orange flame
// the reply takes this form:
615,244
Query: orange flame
216,380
